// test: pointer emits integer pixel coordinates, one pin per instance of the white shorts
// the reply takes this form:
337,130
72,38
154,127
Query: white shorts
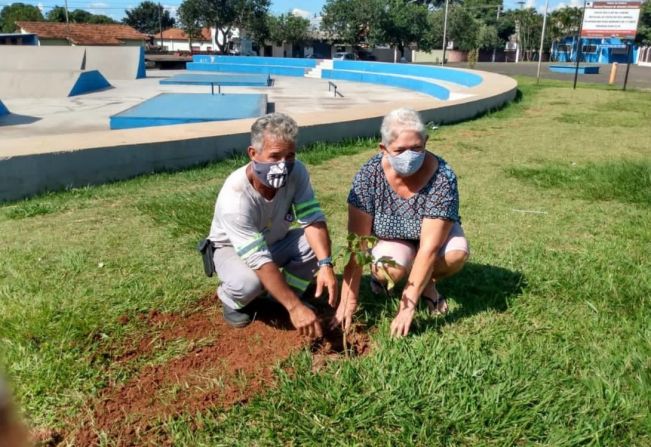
403,252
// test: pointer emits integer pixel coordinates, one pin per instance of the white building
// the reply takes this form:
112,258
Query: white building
175,39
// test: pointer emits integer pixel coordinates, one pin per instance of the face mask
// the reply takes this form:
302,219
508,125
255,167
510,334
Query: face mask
407,163
273,175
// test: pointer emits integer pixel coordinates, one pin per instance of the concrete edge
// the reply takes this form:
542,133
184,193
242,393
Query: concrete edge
31,166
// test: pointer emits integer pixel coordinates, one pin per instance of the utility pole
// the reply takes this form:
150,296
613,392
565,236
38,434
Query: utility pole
499,7
66,9
542,40
160,25
445,30
518,26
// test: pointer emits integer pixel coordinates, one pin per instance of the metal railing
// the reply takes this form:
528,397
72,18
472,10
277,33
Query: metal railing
331,86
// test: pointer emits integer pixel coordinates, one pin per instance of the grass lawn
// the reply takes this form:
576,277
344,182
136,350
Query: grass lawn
548,341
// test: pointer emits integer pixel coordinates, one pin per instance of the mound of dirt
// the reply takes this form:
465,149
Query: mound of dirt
219,366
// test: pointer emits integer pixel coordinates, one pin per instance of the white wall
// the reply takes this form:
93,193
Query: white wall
183,45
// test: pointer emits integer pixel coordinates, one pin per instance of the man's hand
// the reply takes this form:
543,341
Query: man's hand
401,323
326,278
344,313
305,321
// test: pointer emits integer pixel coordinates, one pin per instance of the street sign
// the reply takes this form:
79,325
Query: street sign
603,19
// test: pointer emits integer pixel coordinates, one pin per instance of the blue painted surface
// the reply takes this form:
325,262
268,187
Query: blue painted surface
235,68
89,81
583,69
607,50
3,109
255,60
183,108
142,72
254,80
423,71
385,79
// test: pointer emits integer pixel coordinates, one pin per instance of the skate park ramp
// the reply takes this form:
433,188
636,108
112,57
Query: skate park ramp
50,83
185,108
115,63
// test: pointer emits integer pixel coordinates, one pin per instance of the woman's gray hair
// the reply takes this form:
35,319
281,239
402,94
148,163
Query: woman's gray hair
278,125
398,121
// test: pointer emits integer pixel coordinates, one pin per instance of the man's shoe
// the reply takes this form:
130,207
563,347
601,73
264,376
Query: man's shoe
236,318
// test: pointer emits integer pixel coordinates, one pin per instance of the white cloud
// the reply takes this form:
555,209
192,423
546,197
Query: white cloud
530,4
41,7
301,13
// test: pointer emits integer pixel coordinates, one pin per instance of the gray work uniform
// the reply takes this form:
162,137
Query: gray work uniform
249,231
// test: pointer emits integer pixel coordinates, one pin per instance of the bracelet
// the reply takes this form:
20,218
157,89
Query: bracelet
325,261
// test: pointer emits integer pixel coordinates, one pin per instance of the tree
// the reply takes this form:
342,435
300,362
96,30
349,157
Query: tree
148,17
402,23
9,15
288,28
644,26
564,22
101,19
189,15
58,14
352,21
225,15
463,29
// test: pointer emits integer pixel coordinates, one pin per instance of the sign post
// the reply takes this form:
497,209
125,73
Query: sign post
603,19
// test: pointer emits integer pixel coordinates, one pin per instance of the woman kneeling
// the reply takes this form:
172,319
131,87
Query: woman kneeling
407,197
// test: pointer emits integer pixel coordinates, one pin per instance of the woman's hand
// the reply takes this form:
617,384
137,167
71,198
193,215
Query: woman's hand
401,323
345,310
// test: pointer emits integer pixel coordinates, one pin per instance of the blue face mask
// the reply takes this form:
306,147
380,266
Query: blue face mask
407,163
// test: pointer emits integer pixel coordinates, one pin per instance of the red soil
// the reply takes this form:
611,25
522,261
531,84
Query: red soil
220,367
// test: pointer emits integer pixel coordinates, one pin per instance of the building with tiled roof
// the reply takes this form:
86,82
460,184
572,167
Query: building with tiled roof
54,33
175,39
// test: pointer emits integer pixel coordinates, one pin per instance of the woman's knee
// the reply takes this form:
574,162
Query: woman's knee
455,259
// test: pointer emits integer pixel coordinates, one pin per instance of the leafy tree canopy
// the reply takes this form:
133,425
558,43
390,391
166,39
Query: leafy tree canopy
148,17
58,14
225,15
644,26
190,18
288,28
10,14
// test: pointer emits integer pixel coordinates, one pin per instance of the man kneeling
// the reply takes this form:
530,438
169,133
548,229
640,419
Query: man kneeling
251,231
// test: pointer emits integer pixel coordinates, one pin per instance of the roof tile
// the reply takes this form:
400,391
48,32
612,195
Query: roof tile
83,33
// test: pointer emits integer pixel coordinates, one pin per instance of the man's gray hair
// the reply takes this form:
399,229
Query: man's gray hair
277,124
398,121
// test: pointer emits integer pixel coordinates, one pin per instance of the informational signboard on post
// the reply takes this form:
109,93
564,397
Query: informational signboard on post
603,19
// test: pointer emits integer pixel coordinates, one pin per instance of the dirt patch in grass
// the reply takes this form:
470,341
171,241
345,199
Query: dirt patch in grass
219,367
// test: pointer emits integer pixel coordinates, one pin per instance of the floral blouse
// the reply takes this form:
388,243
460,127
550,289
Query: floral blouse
395,217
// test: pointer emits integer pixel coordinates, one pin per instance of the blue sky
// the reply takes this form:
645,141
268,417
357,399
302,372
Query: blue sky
115,8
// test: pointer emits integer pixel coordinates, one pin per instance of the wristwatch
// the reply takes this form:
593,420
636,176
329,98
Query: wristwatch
325,261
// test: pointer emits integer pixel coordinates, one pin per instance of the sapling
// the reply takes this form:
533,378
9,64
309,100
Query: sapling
359,248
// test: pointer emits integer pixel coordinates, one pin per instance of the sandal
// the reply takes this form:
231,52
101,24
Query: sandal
436,306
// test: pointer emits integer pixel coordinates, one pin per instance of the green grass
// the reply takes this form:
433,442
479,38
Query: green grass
547,342
625,180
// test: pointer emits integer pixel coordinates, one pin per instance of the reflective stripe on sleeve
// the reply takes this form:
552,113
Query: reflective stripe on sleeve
257,244
307,209
296,282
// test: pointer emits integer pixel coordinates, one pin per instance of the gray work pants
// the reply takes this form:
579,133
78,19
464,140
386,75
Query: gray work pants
239,285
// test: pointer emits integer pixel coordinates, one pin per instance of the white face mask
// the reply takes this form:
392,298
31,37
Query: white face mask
407,163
